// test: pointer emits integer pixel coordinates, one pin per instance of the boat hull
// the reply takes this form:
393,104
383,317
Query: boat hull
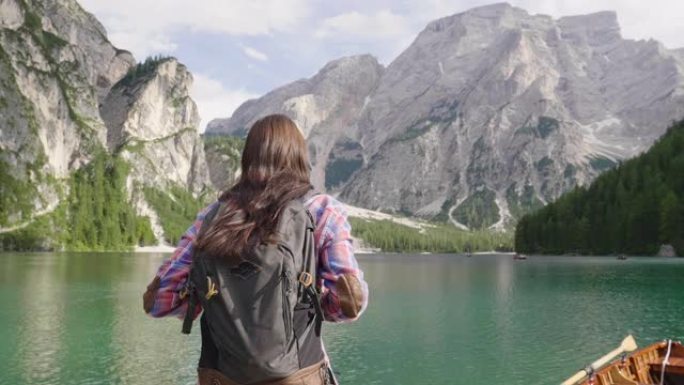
643,367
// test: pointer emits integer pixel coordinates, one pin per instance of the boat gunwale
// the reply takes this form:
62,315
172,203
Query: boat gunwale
629,361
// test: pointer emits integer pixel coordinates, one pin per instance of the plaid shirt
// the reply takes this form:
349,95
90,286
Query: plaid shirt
332,236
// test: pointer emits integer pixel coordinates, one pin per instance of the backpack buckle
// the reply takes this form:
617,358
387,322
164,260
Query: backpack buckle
211,289
306,279
183,293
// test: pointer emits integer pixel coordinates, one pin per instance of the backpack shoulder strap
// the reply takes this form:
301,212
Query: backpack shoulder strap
190,289
307,277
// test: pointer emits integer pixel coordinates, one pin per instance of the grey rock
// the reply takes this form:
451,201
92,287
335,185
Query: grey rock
223,158
667,251
11,14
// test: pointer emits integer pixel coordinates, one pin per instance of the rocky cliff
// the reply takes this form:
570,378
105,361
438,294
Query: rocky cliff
488,114
152,121
68,96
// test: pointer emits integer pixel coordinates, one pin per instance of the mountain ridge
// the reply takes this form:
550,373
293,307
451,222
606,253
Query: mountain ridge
487,115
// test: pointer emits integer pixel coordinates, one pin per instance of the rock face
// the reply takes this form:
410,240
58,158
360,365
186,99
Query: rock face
65,95
326,109
488,114
223,156
667,251
153,121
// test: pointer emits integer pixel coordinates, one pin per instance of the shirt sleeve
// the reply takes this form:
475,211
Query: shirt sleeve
173,274
336,257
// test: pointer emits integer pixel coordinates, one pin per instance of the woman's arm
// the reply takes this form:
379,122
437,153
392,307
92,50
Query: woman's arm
344,293
162,297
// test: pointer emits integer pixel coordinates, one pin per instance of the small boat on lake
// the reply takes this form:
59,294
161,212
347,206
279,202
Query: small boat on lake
519,257
659,363
622,257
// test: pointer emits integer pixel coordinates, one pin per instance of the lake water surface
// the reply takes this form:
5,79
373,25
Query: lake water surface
78,319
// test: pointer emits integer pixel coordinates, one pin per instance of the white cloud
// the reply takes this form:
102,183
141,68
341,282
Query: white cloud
146,26
379,25
382,33
315,32
214,100
143,45
254,53
662,20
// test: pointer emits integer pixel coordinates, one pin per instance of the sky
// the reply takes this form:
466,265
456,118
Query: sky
242,49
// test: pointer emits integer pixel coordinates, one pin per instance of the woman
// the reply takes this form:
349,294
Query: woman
233,247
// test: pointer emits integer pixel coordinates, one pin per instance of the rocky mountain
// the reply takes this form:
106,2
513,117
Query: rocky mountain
78,115
486,115
326,108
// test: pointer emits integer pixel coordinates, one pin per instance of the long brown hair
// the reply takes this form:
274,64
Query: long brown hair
275,170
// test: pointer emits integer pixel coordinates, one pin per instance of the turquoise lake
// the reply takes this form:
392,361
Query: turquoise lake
76,318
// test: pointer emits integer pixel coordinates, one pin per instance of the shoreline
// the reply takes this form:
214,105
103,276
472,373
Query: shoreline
154,249
166,249
419,253
364,251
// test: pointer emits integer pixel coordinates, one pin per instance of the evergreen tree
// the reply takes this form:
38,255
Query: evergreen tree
631,209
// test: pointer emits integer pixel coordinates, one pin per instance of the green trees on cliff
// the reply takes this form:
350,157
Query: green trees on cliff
95,214
100,215
143,69
177,209
632,209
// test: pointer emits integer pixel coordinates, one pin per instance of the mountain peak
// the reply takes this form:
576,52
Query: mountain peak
596,19
490,9
487,114
491,12
594,27
350,61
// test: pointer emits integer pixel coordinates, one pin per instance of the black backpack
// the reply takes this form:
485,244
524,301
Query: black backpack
262,317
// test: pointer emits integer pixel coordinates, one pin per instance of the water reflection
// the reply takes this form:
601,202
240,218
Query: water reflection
481,320
164,355
42,303
77,318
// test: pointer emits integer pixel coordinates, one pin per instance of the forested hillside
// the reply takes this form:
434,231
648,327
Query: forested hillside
96,214
389,236
632,209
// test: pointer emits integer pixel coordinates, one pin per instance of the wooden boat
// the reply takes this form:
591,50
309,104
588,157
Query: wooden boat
659,363
622,257
520,257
